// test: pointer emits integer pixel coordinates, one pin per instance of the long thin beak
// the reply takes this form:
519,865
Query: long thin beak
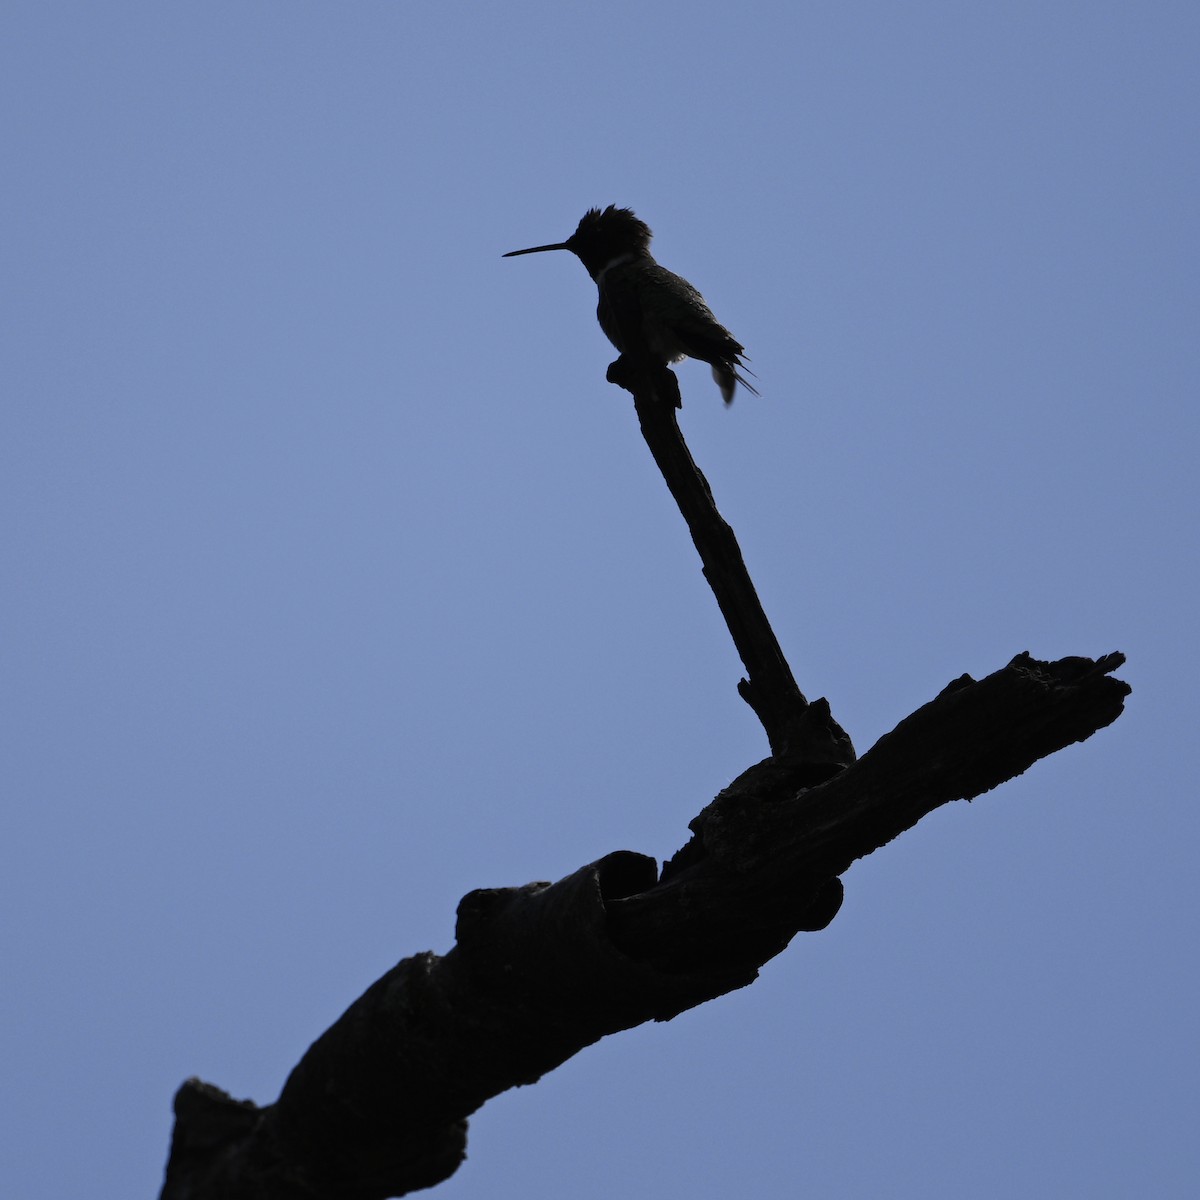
536,250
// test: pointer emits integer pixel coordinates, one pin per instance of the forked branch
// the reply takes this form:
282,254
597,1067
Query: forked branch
378,1106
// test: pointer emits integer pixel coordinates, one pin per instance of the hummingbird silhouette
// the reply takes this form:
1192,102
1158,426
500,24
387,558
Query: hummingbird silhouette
649,313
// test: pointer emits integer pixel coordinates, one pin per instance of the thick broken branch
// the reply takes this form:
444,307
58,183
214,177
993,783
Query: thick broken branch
775,840
378,1105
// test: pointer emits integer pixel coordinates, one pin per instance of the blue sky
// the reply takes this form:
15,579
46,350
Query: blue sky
338,582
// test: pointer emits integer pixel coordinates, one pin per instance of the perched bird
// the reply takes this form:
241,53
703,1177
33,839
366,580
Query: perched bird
647,312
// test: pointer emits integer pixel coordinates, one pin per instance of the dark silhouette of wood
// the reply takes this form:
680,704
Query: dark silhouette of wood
378,1106
770,688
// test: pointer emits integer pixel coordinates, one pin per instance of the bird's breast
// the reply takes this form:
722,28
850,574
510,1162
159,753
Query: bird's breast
636,310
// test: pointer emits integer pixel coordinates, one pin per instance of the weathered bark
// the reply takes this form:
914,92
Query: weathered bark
378,1106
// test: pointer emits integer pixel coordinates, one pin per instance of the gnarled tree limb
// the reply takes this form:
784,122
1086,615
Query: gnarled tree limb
378,1106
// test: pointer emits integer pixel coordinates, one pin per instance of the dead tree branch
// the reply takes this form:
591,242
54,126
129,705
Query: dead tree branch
790,722
378,1106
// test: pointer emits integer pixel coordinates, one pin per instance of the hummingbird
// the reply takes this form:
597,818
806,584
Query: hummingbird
649,313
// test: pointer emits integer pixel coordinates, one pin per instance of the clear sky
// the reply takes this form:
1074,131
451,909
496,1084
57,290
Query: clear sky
337,581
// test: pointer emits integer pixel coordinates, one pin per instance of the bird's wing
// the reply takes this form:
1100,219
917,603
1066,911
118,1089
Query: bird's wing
682,307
